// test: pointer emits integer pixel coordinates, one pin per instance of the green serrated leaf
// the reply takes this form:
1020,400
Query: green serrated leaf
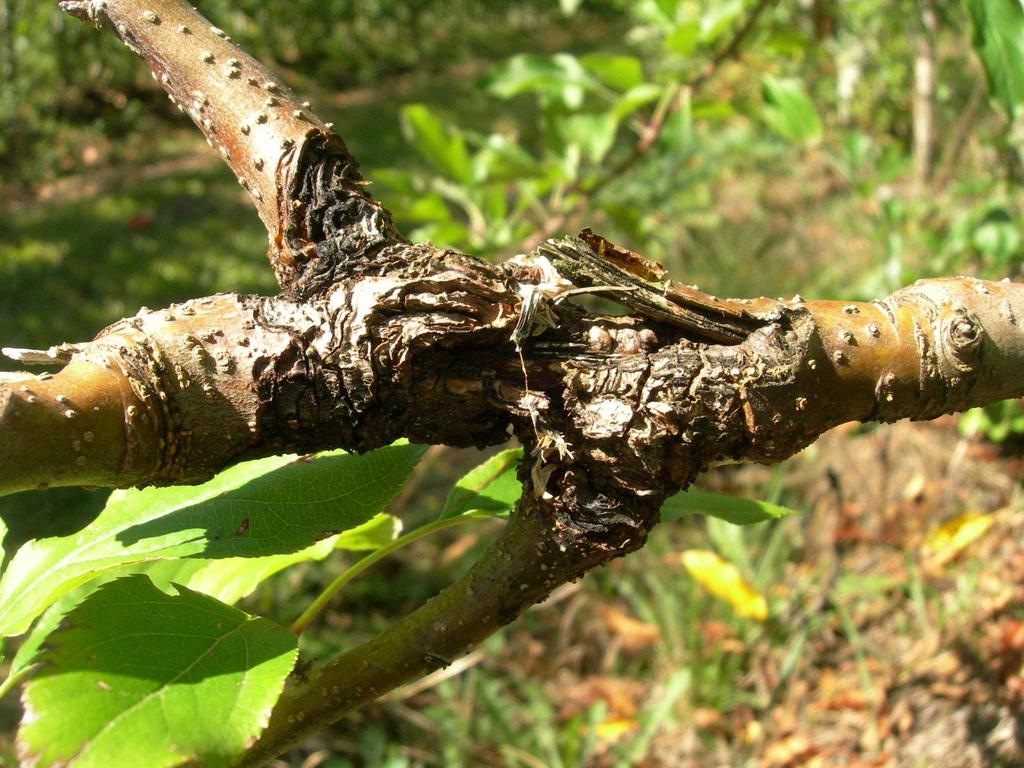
491,487
999,41
560,77
718,17
142,679
227,580
683,38
233,578
732,509
789,111
635,98
276,506
370,536
440,144
593,133
616,71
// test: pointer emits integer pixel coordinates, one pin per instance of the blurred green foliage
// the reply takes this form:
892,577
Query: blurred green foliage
58,74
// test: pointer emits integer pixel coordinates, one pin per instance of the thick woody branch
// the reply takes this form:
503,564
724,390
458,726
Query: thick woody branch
182,393
161,398
305,185
528,561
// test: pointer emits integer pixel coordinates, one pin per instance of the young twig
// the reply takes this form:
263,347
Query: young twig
582,192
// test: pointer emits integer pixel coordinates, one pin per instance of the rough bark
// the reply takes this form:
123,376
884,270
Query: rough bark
374,338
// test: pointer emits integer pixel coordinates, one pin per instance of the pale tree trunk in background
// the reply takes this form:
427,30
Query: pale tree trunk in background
924,95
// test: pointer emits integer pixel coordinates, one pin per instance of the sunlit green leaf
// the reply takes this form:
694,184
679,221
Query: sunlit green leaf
594,134
276,506
569,7
789,112
999,41
615,71
371,535
560,77
502,159
440,145
636,98
718,18
683,38
142,679
732,509
491,487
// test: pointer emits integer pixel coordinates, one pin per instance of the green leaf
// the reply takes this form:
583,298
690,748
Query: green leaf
789,112
683,39
441,145
592,133
635,98
678,135
732,509
615,71
560,77
233,578
142,679
999,41
227,580
371,535
569,7
502,159
718,17
276,506
491,487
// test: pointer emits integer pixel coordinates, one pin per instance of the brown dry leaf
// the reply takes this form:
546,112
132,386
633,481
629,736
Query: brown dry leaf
634,634
915,487
839,692
621,696
1011,636
705,718
715,631
791,751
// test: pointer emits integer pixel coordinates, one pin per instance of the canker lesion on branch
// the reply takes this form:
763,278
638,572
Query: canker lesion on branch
374,338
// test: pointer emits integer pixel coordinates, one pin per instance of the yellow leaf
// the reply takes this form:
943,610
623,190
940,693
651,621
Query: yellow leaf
614,729
952,537
723,580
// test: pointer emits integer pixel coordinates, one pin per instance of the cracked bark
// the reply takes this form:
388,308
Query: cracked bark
374,338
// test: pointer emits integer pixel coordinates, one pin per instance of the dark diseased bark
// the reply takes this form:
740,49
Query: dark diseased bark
374,338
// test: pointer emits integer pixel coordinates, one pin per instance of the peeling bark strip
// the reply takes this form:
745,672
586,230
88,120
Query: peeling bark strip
375,338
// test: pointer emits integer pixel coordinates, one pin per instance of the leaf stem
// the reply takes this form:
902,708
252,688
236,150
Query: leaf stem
307,617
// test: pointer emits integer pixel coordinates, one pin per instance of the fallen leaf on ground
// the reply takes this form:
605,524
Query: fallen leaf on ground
614,730
635,635
790,751
948,540
723,580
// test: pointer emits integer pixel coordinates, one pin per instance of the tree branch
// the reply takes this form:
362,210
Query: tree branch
305,185
650,133
375,338
526,563
164,397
